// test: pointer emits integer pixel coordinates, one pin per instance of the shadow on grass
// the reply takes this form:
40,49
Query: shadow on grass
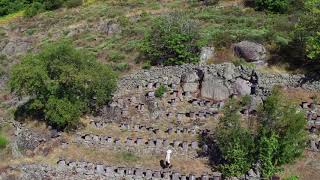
209,148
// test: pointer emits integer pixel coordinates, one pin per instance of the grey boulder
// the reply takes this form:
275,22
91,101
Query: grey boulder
250,51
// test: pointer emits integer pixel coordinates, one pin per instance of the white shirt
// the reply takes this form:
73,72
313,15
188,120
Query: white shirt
168,156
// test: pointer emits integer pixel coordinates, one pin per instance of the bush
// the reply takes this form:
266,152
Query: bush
280,6
160,91
73,3
313,47
280,138
172,40
3,142
64,83
52,4
209,2
34,9
234,142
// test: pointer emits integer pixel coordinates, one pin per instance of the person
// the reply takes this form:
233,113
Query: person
168,156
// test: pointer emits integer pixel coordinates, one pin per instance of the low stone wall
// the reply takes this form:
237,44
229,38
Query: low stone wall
108,171
145,128
171,75
140,145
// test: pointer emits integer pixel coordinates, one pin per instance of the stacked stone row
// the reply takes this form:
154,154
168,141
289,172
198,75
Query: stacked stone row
143,128
90,168
139,144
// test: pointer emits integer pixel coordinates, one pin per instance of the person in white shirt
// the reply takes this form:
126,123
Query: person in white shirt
168,156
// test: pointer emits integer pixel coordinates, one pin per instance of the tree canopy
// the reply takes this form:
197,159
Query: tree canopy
279,139
62,83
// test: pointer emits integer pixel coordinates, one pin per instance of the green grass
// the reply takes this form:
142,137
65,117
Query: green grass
10,17
3,142
128,157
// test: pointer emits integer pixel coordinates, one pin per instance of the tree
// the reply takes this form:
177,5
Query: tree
308,30
235,143
280,6
172,40
280,138
62,83
282,131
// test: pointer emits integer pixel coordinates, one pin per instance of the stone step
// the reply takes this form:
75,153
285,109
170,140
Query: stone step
90,168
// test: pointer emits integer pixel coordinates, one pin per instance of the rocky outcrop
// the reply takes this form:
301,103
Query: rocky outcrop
217,78
250,51
16,47
213,87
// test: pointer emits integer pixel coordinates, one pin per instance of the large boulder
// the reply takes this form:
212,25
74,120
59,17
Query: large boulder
242,87
190,81
190,77
16,47
250,51
190,87
214,88
207,53
109,27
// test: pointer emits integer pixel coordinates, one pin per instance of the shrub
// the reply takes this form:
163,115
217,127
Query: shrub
73,3
209,2
280,138
3,142
121,67
313,47
280,6
234,142
33,9
160,91
52,4
64,83
172,40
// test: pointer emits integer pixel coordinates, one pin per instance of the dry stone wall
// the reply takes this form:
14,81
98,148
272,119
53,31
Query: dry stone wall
224,75
140,145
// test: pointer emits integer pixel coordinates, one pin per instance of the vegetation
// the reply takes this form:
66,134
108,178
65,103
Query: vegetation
33,7
280,138
172,40
3,142
63,83
160,91
273,5
234,142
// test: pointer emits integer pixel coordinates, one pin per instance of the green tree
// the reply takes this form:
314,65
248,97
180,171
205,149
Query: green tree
313,47
267,146
235,143
172,40
281,119
63,82
280,6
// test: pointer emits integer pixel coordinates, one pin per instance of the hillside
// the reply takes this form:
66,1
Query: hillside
102,89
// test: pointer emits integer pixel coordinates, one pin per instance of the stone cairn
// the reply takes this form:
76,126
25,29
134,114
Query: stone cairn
89,168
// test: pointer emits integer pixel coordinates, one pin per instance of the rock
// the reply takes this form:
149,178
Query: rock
16,47
207,53
228,71
109,27
250,51
242,87
190,77
30,140
255,102
190,87
214,88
